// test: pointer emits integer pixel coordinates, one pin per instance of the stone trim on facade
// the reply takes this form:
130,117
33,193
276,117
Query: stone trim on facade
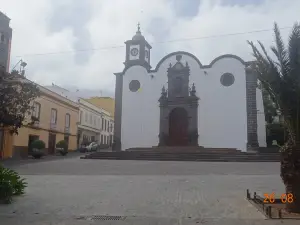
251,85
117,145
185,99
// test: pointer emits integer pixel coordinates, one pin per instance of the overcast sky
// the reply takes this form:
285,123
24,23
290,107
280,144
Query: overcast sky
53,26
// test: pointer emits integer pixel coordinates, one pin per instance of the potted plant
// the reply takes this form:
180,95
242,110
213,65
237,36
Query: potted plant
37,149
62,147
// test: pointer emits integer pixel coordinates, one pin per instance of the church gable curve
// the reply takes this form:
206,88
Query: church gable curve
231,56
225,56
175,54
201,66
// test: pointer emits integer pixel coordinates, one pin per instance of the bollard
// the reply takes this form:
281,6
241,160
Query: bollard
279,214
268,211
248,194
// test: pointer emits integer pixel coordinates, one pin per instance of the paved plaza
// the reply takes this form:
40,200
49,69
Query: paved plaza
146,192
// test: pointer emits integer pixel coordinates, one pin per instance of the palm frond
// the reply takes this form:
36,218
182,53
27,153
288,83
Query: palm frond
266,69
270,76
294,53
265,52
282,55
274,50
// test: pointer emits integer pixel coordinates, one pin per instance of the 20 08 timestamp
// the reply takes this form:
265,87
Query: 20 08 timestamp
284,198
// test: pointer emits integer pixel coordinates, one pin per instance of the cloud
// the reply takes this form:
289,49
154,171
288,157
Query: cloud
45,26
73,15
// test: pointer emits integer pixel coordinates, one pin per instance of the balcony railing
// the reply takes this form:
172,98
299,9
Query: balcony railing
36,124
53,126
67,130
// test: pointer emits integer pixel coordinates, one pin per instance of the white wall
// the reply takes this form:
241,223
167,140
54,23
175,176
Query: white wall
90,124
140,110
222,117
222,110
107,131
88,111
261,124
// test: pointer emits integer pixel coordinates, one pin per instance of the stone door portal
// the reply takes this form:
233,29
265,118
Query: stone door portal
178,108
178,127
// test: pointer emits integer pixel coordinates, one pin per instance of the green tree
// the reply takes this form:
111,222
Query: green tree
280,77
16,96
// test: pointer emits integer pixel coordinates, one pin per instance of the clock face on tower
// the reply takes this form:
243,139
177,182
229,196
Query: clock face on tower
134,51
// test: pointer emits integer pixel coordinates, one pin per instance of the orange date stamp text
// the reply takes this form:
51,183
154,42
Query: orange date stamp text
284,198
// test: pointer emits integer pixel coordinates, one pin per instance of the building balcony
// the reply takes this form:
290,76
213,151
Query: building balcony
67,130
53,126
36,124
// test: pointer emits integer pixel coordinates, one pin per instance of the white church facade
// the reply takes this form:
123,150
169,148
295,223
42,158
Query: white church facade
184,103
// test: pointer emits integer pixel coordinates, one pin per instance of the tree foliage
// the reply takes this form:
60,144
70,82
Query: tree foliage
280,77
16,96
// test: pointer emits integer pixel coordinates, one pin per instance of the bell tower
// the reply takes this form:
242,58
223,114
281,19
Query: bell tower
138,51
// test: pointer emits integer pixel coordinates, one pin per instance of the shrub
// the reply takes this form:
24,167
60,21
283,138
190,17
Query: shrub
10,184
62,147
275,132
37,149
38,144
62,144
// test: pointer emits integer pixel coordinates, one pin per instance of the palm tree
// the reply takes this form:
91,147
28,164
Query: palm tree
280,77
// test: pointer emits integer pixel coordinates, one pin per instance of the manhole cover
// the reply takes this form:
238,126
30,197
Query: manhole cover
101,217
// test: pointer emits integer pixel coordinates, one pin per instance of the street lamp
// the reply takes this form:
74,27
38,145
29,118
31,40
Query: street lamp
110,130
22,67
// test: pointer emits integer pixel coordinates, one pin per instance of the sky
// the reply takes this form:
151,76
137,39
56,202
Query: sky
79,44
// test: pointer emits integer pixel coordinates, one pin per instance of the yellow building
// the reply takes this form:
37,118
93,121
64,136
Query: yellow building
107,130
57,120
6,142
106,103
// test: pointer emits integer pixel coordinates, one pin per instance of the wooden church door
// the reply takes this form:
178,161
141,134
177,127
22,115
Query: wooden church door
178,127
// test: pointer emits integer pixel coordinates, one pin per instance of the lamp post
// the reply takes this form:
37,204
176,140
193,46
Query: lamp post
101,128
110,135
22,67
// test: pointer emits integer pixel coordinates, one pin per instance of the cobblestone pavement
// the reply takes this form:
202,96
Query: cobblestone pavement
62,191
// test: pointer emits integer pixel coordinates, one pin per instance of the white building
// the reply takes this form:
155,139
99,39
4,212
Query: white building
107,128
182,102
89,126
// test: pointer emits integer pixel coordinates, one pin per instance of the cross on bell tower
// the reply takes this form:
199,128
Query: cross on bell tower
139,28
